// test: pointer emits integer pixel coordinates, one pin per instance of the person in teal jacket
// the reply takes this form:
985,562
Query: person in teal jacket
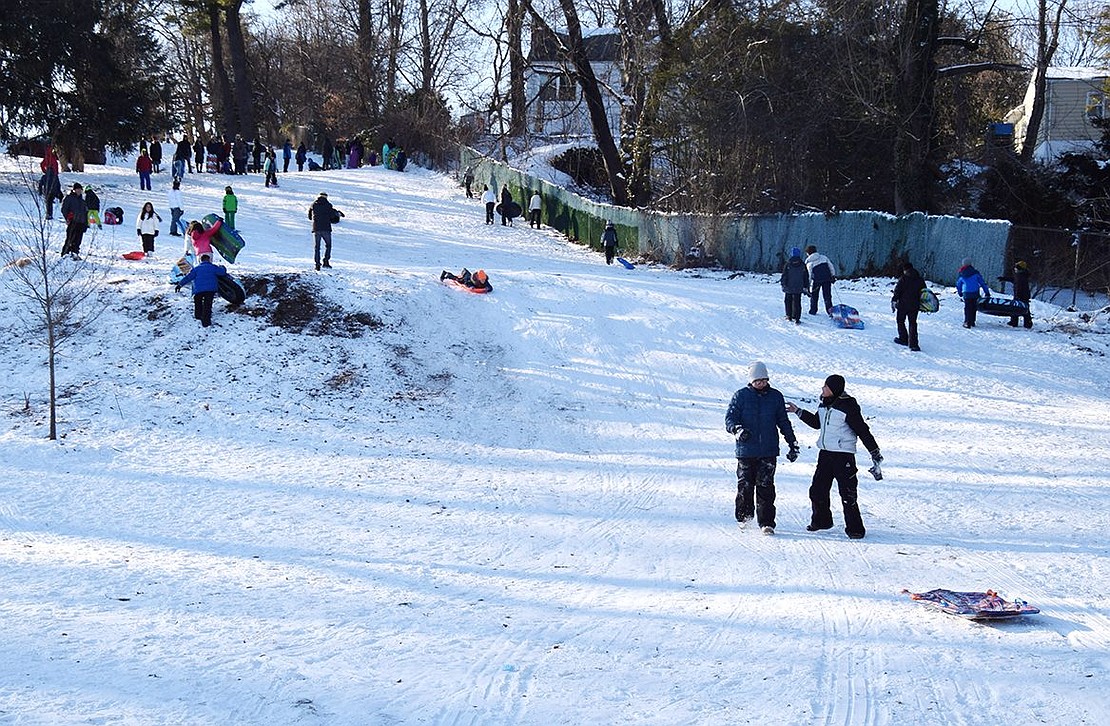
971,286
756,415
231,206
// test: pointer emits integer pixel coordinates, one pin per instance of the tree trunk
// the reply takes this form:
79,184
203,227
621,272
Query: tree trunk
367,58
244,95
219,72
395,10
914,106
518,104
1047,41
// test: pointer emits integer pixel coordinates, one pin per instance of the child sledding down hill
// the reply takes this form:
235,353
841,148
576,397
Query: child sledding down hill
477,282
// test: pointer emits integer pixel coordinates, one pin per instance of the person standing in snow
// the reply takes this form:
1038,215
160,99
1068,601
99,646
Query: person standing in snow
1020,280
205,280
822,274
177,208
906,302
147,228
756,416
794,281
841,423
50,187
286,155
231,206
144,166
269,167
183,152
198,155
535,205
609,242
506,200
198,240
156,154
302,155
76,215
322,214
971,286
468,179
490,200
92,203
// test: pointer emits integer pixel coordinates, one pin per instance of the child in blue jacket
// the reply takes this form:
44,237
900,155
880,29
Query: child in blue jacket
971,286
205,279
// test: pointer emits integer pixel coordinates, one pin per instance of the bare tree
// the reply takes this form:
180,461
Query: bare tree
61,294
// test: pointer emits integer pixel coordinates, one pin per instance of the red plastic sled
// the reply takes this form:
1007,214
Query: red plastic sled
133,255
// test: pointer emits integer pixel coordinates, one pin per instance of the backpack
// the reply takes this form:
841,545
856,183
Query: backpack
930,303
113,215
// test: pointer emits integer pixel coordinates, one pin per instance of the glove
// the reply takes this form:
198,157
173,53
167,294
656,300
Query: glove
743,434
876,456
893,305
876,471
792,455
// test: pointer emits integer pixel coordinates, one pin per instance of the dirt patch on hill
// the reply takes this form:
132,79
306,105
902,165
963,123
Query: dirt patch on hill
290,302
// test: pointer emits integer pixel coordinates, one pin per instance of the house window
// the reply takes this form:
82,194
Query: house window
549,88
1096,106
568,90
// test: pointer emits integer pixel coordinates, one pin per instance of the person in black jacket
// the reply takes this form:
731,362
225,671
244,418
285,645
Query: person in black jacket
906,303
841,423
794,281
323,214
1020,280
77,221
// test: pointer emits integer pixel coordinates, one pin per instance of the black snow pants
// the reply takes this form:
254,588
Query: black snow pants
755,490
839,466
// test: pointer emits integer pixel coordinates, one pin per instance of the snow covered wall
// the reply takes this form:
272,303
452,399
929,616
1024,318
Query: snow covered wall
858,243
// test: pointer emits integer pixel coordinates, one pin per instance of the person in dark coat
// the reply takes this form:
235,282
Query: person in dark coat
205,280
322,213
198,155
50,187
971,286
609,242
506,200
328,152
906,302
302,155
841,424
1020,280
182,158
756,416
92,204
794,281
257,152
77,221
155,150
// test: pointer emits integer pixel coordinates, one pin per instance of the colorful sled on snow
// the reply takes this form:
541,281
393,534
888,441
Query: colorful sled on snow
627,265
974,605
181,268
930,303
228,242
231,290
136,255
846,316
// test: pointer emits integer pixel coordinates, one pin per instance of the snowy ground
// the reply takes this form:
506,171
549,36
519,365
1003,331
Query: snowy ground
517,508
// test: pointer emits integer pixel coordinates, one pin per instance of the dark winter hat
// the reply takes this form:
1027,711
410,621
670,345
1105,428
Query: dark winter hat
811,249
835,382
965,262
323,195
795,252
77,185
206,257
227,190
907,265
757,370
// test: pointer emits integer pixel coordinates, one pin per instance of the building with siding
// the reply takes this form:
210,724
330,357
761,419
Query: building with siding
555,104
1074,98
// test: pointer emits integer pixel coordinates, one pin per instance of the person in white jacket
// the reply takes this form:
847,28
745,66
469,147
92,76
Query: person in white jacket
822,274
147,228
534,206
177,208
489,198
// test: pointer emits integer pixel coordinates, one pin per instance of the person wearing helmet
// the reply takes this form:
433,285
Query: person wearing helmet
477,281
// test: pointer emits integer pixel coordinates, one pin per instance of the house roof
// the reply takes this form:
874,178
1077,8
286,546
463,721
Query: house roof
1076,73
602,44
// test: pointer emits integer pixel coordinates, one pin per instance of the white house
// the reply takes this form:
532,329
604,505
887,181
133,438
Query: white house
555,104
1074,97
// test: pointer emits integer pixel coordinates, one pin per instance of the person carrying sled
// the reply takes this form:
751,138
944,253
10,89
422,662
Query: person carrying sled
323,215
1020,280
906,303
476,281
756,415
506,200
609,242
231,206
841,423
76,215
205,280
198,240
794,281
822,274
971,286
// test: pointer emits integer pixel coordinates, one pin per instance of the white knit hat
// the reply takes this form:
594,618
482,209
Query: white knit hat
756,371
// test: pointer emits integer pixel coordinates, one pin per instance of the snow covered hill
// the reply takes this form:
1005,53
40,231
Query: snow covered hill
368,498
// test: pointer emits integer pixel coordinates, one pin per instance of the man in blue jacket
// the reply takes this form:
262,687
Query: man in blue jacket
971,286
756,415
205,279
